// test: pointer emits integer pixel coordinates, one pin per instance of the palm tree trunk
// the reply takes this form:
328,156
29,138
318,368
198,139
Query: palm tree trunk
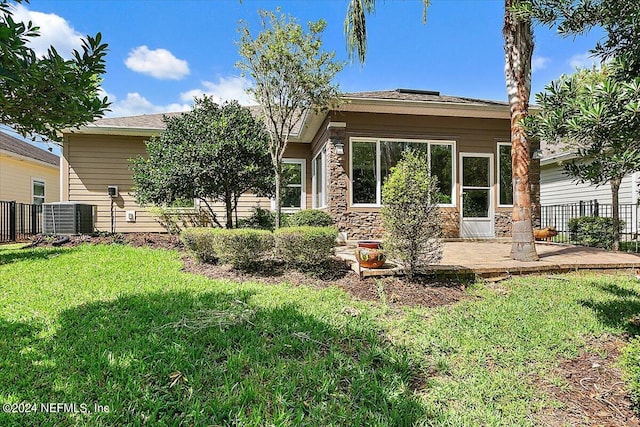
518,47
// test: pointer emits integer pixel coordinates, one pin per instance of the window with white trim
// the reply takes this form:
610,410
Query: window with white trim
319,179
293,194
505,180
37,191
372,160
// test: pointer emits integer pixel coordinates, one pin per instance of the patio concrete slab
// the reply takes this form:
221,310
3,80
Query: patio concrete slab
491,259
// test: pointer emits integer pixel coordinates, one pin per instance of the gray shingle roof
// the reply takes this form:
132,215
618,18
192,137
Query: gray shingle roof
421,95
145,121
17,146
154,121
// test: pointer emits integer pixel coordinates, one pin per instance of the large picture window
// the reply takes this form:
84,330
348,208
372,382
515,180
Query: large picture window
505,181
372,160
319,179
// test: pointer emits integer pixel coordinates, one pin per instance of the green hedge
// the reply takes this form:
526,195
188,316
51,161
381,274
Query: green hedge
305,246
200,241
242,248
310,217
593,231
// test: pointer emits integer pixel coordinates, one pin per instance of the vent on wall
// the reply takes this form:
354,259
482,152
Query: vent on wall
67,218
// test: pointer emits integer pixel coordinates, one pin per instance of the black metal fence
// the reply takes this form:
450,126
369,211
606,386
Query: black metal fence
19,221
558,216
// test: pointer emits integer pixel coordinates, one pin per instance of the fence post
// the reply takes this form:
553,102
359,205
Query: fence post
34,220
12,221
596,208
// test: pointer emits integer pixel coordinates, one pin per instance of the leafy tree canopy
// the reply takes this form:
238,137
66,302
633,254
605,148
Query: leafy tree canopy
291,76
41,95
598,116
619,18
212,153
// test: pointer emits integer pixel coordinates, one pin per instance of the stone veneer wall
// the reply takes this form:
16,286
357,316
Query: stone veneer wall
502,224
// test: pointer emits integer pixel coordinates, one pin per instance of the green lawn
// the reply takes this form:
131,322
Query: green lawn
125,328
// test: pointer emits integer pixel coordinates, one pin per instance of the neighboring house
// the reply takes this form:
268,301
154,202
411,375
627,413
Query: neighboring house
343,157
557,188
562,198
28,174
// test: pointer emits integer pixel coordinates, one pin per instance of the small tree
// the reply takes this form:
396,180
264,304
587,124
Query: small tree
599,118
41,95
213,153
410,214
291,76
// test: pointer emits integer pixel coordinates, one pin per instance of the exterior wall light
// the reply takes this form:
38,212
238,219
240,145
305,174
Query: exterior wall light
339,148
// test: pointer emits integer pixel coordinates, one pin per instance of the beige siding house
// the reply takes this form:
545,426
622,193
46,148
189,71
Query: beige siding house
27,173
343,157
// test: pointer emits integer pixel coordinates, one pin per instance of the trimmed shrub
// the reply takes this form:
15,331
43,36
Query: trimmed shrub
595,231
200,241
411,215
260,219
311,218
242,248
305,247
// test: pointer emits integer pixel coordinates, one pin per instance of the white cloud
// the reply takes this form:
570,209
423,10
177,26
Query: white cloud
54,31
135,104
584,60
539,63
158,63
226,89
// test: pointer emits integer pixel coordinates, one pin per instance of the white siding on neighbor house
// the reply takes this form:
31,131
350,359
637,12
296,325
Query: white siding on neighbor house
556,188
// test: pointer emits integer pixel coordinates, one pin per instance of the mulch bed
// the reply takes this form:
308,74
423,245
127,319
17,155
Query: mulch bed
391,290
593,394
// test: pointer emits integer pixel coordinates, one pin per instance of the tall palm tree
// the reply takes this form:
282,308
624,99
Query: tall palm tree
518,47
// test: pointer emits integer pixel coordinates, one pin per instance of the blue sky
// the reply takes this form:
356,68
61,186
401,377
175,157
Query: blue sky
162,53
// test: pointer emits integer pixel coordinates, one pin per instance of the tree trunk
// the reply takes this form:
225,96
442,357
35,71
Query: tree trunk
518,47
615,213
278,196
229,209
